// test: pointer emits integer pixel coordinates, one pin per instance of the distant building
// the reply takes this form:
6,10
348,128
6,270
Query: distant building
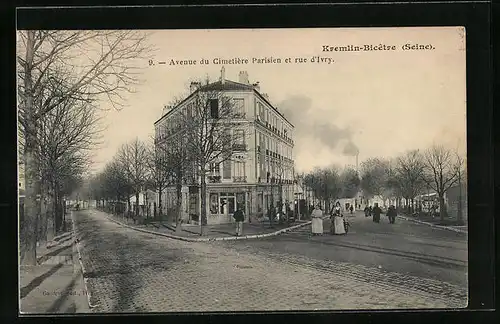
147,201
20,176
262,163
456,197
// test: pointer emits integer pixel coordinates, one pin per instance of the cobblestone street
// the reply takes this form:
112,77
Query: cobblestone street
129,271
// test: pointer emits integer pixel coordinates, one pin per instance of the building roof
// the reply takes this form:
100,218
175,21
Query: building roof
228,85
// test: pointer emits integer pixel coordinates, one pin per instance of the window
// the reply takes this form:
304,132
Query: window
239,169
214,108
261,110
226,173
239,136
214,168
214,203
190,111
227,203
239,107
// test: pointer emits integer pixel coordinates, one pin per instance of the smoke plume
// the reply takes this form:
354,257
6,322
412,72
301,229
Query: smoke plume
297,109
350,149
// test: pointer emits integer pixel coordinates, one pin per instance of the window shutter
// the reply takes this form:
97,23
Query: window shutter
214,108
227,169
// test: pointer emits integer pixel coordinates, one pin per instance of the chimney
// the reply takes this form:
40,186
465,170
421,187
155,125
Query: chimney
223,75
256,86
243,77
194,86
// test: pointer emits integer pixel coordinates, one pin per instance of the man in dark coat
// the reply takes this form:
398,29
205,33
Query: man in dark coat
391,213
239,217
376,211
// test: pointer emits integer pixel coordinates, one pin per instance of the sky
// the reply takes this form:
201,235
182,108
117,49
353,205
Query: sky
377,103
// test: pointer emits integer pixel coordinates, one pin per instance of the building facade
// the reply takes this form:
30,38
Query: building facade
261,170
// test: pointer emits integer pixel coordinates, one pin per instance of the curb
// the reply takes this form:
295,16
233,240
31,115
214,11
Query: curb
211,239
82,268
432,225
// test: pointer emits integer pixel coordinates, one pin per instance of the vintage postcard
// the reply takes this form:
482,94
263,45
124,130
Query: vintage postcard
242,170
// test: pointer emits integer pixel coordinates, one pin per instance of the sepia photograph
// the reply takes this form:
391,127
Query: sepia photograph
222,170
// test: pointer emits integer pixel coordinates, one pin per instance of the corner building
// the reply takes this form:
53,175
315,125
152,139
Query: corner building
261,172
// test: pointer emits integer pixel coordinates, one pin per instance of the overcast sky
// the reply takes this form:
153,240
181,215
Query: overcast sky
380,102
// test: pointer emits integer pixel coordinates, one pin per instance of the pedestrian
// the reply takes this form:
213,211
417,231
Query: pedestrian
337,221
239,216
317,221
351,209
370,211
391,214
376,211
367,211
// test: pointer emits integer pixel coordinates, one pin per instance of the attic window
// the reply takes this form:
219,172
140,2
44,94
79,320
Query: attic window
214,108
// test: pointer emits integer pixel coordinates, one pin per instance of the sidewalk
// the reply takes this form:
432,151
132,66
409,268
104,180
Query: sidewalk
436,222
55,285
212,232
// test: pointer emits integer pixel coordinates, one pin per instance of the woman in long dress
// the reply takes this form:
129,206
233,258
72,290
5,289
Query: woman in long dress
317,221
338,220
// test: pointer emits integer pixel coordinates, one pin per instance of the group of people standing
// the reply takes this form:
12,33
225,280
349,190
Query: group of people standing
338,225
376,211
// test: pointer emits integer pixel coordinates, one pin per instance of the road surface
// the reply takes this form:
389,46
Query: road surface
130,271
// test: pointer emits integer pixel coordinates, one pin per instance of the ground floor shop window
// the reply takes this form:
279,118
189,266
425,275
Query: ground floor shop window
259,202
214,203
240,201
227,203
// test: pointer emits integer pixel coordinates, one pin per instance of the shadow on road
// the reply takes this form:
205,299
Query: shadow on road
439,261
45,257
66,293
38,280
120,264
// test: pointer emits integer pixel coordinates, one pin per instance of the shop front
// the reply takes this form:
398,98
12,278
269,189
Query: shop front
223,202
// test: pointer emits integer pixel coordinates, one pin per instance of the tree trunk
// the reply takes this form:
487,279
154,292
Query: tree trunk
49,217
32,184
129,206
43,214
62,208
136,206
203,197
160,203
57,219
442,211
459,207
178,204
146,204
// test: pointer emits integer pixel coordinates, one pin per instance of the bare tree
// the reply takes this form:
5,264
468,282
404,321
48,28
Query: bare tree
410,173
132,157
158,171
461,171
63,135
375,175
176,164
214,132
440,172
89,65
115,184
326,184
350,182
